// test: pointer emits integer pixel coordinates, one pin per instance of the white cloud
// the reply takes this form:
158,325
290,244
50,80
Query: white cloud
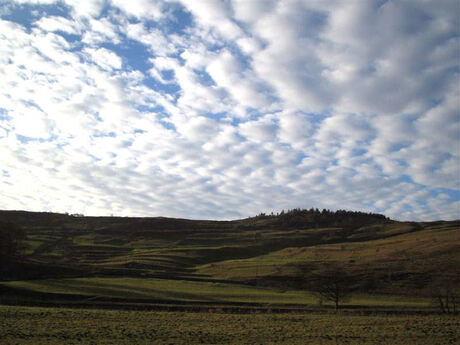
80,8
249,45
261,131
295,129
140,8
228,73
30,123
215,14
251,11
87,8
226,109
198,129
153,38
35,1
290,65
101,31
104,58
55,23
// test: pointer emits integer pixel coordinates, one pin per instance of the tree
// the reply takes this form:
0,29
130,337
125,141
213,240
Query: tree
11,239
332,283
445,288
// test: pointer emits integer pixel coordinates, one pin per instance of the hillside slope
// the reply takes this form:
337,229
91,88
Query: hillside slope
280,250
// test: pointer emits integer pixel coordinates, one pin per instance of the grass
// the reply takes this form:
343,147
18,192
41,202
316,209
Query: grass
37,326
143,290
163,289
409,251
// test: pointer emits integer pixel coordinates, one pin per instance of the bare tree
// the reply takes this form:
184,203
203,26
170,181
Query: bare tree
332,283
445,290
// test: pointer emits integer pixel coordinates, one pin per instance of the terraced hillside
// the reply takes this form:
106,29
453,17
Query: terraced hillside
278,251
401,258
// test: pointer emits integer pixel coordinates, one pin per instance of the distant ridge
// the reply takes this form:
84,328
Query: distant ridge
295,218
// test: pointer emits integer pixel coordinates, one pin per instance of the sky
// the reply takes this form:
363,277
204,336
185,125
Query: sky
225,109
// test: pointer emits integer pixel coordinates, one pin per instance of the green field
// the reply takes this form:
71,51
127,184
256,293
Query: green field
144,291
49,326
154,290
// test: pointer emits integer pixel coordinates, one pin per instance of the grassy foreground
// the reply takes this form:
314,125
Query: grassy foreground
32,325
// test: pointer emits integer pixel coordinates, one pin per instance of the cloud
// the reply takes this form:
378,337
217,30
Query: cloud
153,38
250,11
224,109
87,8
30,123
291,65
198,129
104,58
295,129
227,72
214,14
101,30
142,9
262,130
54,23
47,2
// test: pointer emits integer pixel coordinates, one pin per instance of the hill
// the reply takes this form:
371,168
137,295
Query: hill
279,251
166,246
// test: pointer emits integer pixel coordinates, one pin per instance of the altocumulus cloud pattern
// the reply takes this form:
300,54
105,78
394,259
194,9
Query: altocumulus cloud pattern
224,109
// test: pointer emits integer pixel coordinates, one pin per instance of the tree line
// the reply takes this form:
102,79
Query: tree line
313,217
